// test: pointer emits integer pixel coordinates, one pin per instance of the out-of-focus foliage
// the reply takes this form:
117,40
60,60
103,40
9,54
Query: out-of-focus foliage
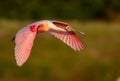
62,9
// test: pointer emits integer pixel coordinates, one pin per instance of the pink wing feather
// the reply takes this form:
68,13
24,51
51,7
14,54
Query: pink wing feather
24,42
70,38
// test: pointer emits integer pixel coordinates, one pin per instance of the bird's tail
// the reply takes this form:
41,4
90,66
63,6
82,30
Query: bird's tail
13,38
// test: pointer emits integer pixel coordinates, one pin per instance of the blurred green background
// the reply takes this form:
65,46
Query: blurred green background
52,60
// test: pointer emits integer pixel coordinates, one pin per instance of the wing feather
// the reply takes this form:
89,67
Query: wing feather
70,38
24,42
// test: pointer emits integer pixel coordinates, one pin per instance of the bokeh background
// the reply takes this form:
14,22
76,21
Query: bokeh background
52,60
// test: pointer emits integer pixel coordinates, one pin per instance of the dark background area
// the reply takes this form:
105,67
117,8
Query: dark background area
62,9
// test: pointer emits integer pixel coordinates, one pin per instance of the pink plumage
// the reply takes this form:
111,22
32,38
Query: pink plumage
24,42
25,37
70,38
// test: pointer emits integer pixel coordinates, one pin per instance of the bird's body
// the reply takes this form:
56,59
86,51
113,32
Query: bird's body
25,37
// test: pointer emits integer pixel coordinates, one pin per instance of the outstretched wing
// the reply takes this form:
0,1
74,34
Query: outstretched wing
24,42
70,38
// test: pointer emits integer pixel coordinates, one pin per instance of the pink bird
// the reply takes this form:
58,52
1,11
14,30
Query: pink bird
25,37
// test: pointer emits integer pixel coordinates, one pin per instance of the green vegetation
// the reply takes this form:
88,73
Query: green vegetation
52,60
61,9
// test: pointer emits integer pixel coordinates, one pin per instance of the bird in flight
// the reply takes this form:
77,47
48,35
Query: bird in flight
25,37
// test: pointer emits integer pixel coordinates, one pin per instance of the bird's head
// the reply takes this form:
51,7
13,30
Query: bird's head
62,25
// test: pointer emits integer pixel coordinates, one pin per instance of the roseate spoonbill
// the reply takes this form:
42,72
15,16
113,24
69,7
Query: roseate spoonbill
25,37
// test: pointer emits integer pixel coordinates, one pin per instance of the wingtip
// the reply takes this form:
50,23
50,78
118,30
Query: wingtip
77,44
19,64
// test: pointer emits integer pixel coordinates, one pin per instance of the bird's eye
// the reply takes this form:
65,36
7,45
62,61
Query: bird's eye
68,28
